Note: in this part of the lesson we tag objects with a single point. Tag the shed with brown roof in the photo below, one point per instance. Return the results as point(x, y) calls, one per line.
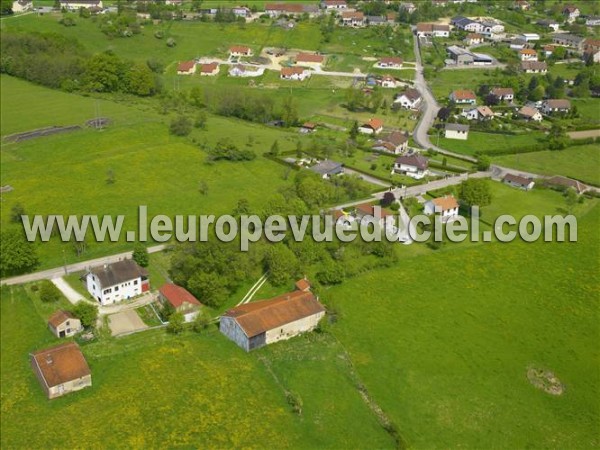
point(64, 324)
point(256, 324)
point(61, 369)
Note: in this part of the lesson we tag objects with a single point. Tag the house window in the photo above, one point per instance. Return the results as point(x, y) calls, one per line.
point(116, 288)
point(68, 323)
point(135, 282)
point(107, 291)
point(68, 330)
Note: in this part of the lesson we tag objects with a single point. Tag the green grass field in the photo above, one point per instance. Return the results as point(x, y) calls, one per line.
point(488, 143)
point(580, 162)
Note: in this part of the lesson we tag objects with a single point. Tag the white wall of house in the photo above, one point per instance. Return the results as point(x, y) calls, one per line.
point(453, 134)
point(69, 327)
point(107, 295)
point(446, 215)
point(293, 328)
point(411, 171)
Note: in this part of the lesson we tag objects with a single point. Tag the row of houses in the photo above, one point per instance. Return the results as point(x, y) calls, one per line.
point(489, 28)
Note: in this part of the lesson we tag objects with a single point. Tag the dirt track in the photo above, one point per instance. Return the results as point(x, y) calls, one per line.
point(584, 134)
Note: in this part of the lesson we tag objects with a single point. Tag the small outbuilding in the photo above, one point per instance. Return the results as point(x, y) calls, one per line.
point(181, 300)
point(64, 324)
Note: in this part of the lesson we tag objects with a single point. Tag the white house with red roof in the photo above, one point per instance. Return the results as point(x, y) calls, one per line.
point(181, 300)
point(373, 126)
point(446, 207)
point(186, 68)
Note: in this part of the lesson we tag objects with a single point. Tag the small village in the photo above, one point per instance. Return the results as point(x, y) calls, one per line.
point(368, 112)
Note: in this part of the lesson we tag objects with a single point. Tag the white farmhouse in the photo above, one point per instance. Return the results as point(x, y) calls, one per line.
point(413, 165)
point(409, 99)
point(113, 283)
point(264, 322)
point(446, 206)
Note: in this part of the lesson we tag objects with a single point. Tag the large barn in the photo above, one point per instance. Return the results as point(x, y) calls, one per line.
point(257, 324)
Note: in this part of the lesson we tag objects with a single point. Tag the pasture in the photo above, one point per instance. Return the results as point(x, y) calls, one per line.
point(488, 143)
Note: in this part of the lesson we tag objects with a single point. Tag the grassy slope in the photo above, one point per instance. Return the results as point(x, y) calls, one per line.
point(488, 142)
point(152, 389)
point(579, 162)
point(445, 343)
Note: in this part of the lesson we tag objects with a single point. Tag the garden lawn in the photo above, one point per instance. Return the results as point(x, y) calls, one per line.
point(488, 143)
point(580, 162)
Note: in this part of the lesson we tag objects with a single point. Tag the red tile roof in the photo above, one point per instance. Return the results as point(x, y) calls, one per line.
point(446, 203)
point(391, 60)
point(303, 284)
point(239, 49)
point(61, 364)
point(289, 71)
point(464, 94)
point(59, 317)
point(309, 57)
point(177, 296)
point(375, 123)
point(209, 68)
point(186, 66)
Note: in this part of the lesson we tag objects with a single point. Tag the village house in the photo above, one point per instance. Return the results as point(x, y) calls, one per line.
point(64, 324)
point(529, 37)
point(186, 68)
point(376, 20)
point(294, 73)
point(240, 70)
point(548, 23)
point(209, 69)
point(78, 4)
point(20, 6)
point(556, 106)
point(181, 300)
point(522, 5)
point(463, 96)
point(466, 24)
point(561, 182)
point(373, 126)
point(493, 30)
point(473, 39)
point(530, 113)
point(503, 94)
point(571, 13)
point(528, 54)
point(432, 30)
point(239, 50)
point(413, 165)
point(387, 81)
point(334, 4)
point(290, 9)
point(343, 219)
point(328, 169)
point(308, 127)
point(456, 131)
point(310, 59)
point(113, 283)
point(61, 369)
point(518, 44)
point(534, 66)
point(395, 142)
point(392, 62)
point(592, 21)
point(353, 19)
point(480, 113)
point(256, 324)
point(409, 7)
point(409, 99)
point(446, 206)
point(371, 213)
point(591, 47)
point(518, 181)
point(569, 40)
point(549, 49)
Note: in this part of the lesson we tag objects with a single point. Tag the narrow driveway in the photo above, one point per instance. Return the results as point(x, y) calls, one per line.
point(72, 295)
point(367, 178)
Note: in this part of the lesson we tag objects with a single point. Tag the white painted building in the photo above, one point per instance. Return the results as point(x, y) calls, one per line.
point(113, 283)
point(446, 207)
point(413, 165)
point(456, 131)
point(20, 6)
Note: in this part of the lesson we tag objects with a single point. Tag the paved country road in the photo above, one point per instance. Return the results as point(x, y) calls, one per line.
point(77, 267)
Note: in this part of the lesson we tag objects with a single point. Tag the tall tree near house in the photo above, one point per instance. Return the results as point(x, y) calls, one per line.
point(86, 312)
point(176, 322)
point(140, 255)
point(290, 111)
point(354, 131)
point(16, 253)
point(274, 148)
point(476, 192)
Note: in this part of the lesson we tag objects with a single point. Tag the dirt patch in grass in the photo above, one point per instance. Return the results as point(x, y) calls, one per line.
point(545, 380)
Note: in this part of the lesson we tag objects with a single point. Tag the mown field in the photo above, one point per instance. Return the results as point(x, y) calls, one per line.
point(580, 162)
point(445, 344)
point(488, 143)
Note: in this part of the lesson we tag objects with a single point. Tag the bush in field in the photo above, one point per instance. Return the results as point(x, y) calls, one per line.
point(49, 293)
point(180, 126)
point(87, 313)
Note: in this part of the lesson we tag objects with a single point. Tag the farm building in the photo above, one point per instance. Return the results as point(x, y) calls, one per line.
point(518, 181)
point(78, 4)
point(64, 324)
point(113, 283)
point(556, 105)
point(254, 325)
point(534, 66)
point(181, 300)
point(433, 29)
point(61, 369)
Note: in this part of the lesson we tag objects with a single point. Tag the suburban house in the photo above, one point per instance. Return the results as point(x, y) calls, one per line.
point(548, 23)
point(240, 50)
point(569, 40)
point(19, 6)
point(530, 113)
point(240, 70)
point(413, 165)
point(480, 113)
point(503, 94)
point(308, 127)
point(328, 169)
point(209, 69)
point(310, 59)
point(333, 4)
point(186, 68)
point(433, 30)
point(446, 206)
point(61, 369)
point(181, 300)
point(390, 62)
point(294, 73)
point(571, 13)
point(456, 131)
point(387, 81)
point(534, 66)
point(373, 126)
point(64, 324)
point(78, 4)
point(556, 105)
point(409, 99)
point(463, 96)
point(528, 54)
point(256, 324)
point(473, 39)
point(116, 282)
point(343, 219)
point(395, 142)
point(353, 19)
point(518, 181)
